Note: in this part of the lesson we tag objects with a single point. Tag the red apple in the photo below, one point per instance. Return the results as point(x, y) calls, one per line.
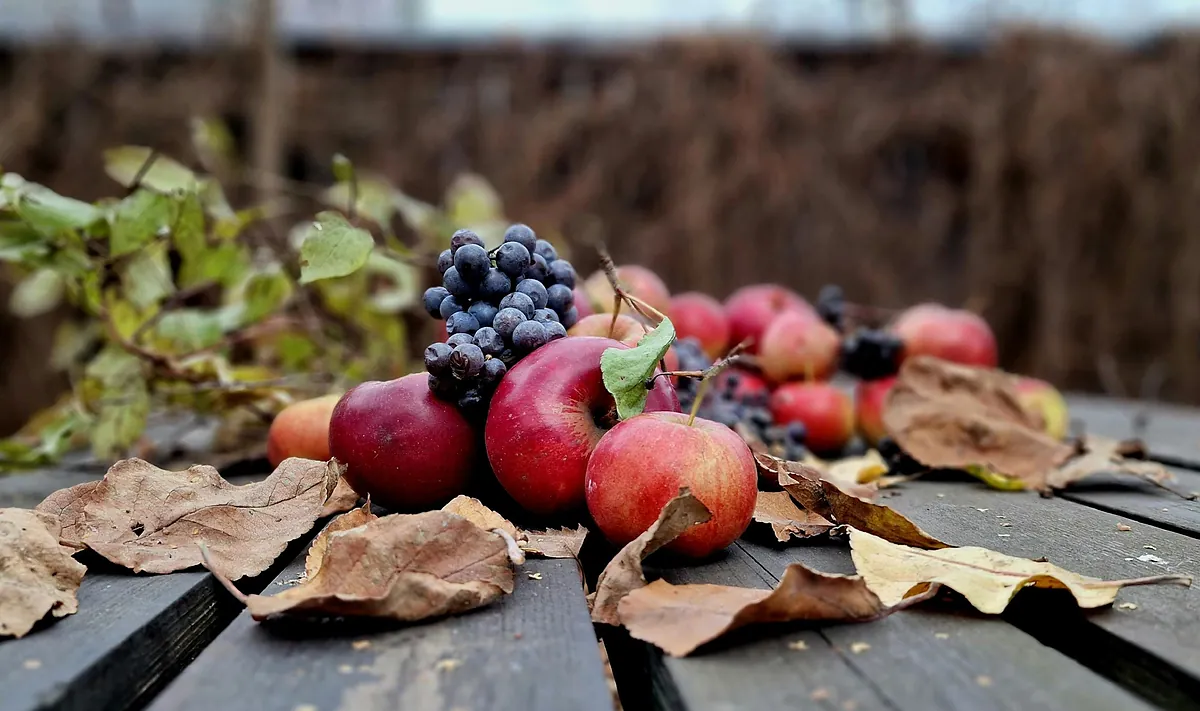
point(641, 464)
point(582, 304)
point(825, 411)
point(1044, 399)
point(750, 385)
point(627, 330)
point(752, 308)
point(702, 317)
point(301, 430)
point(546, 418)
point(869, 397)
point(402, 446)
point(637, 280)
point(950, 334)
point(799, 345)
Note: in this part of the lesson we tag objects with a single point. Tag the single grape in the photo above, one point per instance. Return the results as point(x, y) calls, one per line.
point(483, 312)
point(471, 400)
point(456, 284)
point(449, 307)
point(472, 263)
point(545, 250)
point(561, 272)
point(796, 432)
point(560, 297)
point(520, 302)
point(444, 387)
point(458, 339)
point(570, 317)
point(760, 418)
point(495, 286)
point(493, 370)
point(512, 258)
point(831, 305)
point(537, 269)
point(445, 261)
point(462, 238)
point(506, 322)
point(530, 335)
point(489, 341)
point(555, 330)
point(508, 356)
point(461, 322)
point(544, 316)
point(437, 358)
point(466, 361)
point(535, 290)
point(522, 235)
point(434, 296)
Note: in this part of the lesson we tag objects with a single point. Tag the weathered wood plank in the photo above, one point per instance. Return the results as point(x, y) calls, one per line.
point(534, 650)
point(1143, 503)
point(1171, 432)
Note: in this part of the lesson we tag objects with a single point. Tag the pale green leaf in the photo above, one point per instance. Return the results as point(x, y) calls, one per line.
point(263, 294)
point(343, 169)
point(374, 199)
point(121, 420)
point(333, 248)
point(213, 143)
point(147, 276)
point(405, 283)
point(72, 341)
point(295, 350)
point(625, 371)
point(19, 242)
point(226, 263)
point(50, 213)
point(114, 368)
point(53, 441)
point(37, 294)
point(212, 197)
point(164, 175)
point(188, 330)
point(126, 318)
point(471, 200)
point(419, 216)
point(138, 220)
point(188, 232)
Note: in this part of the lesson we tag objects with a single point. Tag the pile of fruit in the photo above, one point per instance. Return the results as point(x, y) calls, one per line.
point(516, 393)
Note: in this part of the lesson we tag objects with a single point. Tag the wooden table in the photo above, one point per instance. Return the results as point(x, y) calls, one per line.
point(179, 642)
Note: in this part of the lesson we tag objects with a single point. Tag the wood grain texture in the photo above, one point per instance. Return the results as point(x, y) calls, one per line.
point(1142, 503)
point(532, 650)
point(1171, 432)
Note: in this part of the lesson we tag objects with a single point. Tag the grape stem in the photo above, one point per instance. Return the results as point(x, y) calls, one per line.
point(706, 376)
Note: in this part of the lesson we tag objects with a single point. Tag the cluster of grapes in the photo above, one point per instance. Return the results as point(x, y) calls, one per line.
point(498, 306)
point(867, 353)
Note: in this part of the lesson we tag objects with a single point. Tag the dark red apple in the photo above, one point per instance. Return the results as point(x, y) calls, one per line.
point(702, 317)
point(869, 397)
point(950, 334)
point(799, 345)
point(825, 411)
point(583, 304)
point(402, 446)
point(638, 280)
point(752, 308)
point(641, 464)
point(546, 418)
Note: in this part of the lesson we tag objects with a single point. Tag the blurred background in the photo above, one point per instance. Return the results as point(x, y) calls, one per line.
point(1038, 162)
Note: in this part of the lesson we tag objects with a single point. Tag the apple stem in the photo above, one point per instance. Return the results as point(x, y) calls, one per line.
point(700, 393)
point(612, 327)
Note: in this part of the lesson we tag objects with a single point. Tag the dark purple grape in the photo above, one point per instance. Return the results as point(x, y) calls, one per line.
point(489, 341)
point(535, 290)
point(471, 401)
point(483, 312)
point(458, 339)
point(560, 297)
point(493, 370)
point(496, 285)
point(456, 285)
point(445, 261)
point(433, 298)
point(530, 335)
point(545, 250)
point(461, 322)
point(538, 269)
point(544, 316)
point(472, 263)
point(437, 358)
point(466, 361)
point(512, 258)
point(555, 330)
point(444, 387)
point(506, 322)
point(796, 432)
point(462, 238)
point(449, 307)
point(508, 357)
point(561, 272)
point(570, 318)
point(520, 302)
point(522, 235)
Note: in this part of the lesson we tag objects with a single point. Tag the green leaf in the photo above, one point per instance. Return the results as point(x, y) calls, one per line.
point(121, 420)
point(333, 248)
point(114, 368)
point(419, 216)
point(50, 213)
point(213, 143)
point(164, 175)
point(471, 200)
point(374, 199)
point(626, 371)
point(263, 294)
point(994, 479)
point(19, 242)
point(147, 276)
point(188, 330)
point(53, 441)
point(225, 264)
point(39, 293)
point(406, 284)
point(72, 340)
point(188, 234)
point(295, 350)
point(343, 169)
point(138, 220)
point(126, 318)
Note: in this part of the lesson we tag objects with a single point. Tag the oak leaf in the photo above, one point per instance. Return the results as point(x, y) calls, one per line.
point(778, 510)
point(624, 572)
point(404, 567)
point(987, 579)
point(351, 519)
point(951, 416)
point(38, 576)
point(150, 520)
point(828, 500)
point(555, 542)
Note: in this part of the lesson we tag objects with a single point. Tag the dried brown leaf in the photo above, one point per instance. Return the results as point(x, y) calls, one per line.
point(954, 416)
point(987, 579)
point(555, 542)
point(857, 476)
point(624, 572)
point(1108, 456)
point(352, 519)
point(343, 498)
point(828, 500)
point(778, 510)
point(37, 573)
point(680, 618)
point(474, 511)
point(403, 567)
point(151, 520)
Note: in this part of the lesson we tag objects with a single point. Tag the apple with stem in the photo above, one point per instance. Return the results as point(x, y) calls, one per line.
point(634, 279)
point(825, 411)
point(1042, 398)
point(797, 345)
point(953, 335)
point(702, 317)
point(751, 309)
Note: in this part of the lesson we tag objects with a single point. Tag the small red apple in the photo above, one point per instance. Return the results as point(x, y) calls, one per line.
point(546, 418)
point(641, 464)
point(402, 446)
point(798, 345)
point(825, 411)
point(702, 317)
point(950, 334)
point(752, 308)
point(627, 330)
point(750, 385)
point(638, 280)
point(1044, 399)
point(869, 398)
point(583, 306)
point(301, 430)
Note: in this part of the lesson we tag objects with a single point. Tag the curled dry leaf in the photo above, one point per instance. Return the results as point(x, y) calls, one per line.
point(987, 579)
point(828, 500)
point(555, 542)
point(624, 572)
point(343, 498)
point(474, 511)
point(857, 476)
point(778, 510)
point(680, 618)
point(403, 567)
point(952, 416)
point(150, 520)
point(37, 573)
point(1100, 455)
point(352, 519)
